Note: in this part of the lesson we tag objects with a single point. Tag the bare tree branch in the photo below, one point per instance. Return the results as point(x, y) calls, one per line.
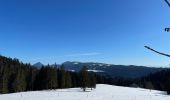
point(167, 55)
point(167, 2)
point(167, 30)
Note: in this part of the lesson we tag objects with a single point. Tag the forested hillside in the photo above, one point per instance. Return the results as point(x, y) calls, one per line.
point(16, 76)
point(158, 81)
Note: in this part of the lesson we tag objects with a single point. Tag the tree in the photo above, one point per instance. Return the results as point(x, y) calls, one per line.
point(20, 81)
point(68, 81)
point(62, 77)
point(149, 85)
point(84, 78)
point(31, 76)
point(40, 82)
point(4, 80)
point(167, 85)
point(92, 81)
point(52, 78)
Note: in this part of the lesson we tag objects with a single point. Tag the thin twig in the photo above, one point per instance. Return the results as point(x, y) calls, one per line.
point(167, 2)
point(157, 51)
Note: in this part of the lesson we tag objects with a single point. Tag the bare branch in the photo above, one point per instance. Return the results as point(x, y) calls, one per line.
point(167, 2)
point(167, 55)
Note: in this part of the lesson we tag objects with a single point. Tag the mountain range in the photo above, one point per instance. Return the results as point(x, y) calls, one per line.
point(130, 71)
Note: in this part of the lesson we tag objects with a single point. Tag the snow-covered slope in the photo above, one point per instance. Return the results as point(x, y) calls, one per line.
point(102, 92)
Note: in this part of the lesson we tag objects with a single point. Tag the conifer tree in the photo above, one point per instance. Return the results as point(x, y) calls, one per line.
point(84, 78)
point(92, 81)
point(4, 81)
point(68, 80)
point(52, 78)
point(40, 82)
point(149, 85)
point(167, 85)
point(31, 76)
point(20, 81)
point(62, 77)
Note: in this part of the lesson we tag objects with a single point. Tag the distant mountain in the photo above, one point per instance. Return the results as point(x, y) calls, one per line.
point(38, 65)
point(130, 71)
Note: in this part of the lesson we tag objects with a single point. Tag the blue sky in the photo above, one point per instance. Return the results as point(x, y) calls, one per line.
point(108, 31)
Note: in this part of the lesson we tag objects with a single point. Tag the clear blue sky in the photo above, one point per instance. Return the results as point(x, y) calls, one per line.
point(108, 31)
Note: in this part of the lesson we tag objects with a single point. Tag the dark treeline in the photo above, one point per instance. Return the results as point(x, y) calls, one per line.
point(16, 77)
point(157, 81)
point(119, 81)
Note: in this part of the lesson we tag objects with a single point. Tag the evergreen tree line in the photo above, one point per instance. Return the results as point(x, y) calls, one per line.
point(154, 81)
point(17, 77)
point(157, 81)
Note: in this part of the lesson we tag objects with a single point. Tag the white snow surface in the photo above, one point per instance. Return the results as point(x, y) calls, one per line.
point(95, 71)
point(72, 70)
point(102, 92)
point(76, 63)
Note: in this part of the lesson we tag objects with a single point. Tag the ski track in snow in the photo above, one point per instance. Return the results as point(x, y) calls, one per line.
point(102, 92)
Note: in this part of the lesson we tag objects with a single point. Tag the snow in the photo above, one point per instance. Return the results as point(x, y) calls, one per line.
point(94, 64)
point(71, 70)
point(109, 65)
point(100, 64)
point(102, 92)
point(95, 71)
point(75, 63)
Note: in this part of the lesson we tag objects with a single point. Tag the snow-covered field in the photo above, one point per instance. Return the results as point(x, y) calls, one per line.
point(102, 92)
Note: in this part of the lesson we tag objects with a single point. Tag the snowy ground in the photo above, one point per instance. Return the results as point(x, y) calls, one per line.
point(102, 92)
